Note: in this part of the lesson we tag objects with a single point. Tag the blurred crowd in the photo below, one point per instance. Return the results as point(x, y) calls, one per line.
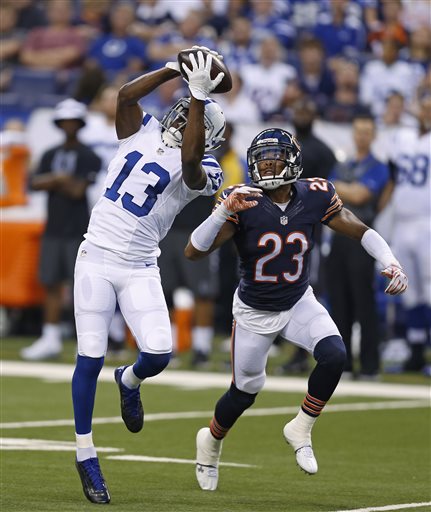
point(292, 61)
point(346, 54)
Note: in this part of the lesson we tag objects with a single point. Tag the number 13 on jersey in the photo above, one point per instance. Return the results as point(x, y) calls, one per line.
point(152, 191)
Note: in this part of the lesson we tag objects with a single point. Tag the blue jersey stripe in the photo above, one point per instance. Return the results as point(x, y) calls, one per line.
point(211, 164)
point(146, 119)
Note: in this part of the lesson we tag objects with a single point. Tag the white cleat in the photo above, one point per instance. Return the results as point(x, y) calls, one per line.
point(301, 443)
point(208, 450)
point(41, 349)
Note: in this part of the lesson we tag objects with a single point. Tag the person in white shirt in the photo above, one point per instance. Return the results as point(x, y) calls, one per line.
point(266, 82)
point(411, 237)
point(159, 168)
point(381, 76)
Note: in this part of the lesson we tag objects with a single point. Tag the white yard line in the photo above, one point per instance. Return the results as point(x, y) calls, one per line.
point(201, 380)
point(403, 506)
point(145, 458)
point(45, 445)
point(269, 411)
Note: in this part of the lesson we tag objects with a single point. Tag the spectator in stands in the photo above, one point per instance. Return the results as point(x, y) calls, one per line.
point(92, 17)
point(390, 26)
point(238, 107)
point(270, 18)
point(65, 172)
point(418, 50)
point(152, 20)
point(340, 34)
point(57, 46)
point(315, 79)
point(350, 270)
point(190, 31)
point(239, 46)
point(395, 114)
point(118, 51)
point(11, 38)
point(30, 14)
point(269, 82)
point(380, 76)
point(303, 14)
point(344, 104)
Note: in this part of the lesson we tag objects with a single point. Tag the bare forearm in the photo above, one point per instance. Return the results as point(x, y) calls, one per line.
point(353, 193)
point(193, 147)
point(133, 91)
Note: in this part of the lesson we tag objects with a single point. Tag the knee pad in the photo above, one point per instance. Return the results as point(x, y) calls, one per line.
point(240, 399)
point(92, 345)
point(149, 365)
point(331, 352)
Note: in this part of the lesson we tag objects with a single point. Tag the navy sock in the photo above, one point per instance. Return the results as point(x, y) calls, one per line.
point(228, 409)
point(149, 365)
point(84, 384)
point(330, 354)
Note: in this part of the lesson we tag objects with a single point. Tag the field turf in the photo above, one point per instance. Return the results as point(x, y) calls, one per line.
point(367, 458)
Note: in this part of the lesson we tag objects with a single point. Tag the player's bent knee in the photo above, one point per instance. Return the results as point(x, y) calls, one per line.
point(159, 340)
point(252, 384)
point(149, 365)
point(331, 352)
point(92, 345)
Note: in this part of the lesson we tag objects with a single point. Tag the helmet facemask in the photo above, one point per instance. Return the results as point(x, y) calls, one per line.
point(174, 123)
point(276, 151)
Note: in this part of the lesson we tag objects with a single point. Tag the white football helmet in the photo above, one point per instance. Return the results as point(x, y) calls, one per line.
point(174, 122)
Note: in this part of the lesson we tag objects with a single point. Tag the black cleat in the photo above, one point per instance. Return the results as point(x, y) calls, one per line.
point(131, 405)
point(93, 483)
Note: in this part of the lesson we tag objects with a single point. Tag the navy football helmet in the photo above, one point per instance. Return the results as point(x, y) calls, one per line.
point(274, 144)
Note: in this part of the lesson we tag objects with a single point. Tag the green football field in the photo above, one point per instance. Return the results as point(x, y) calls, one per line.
point(372, 444)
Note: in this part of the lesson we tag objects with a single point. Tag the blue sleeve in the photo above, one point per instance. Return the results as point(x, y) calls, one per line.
point(375, 178)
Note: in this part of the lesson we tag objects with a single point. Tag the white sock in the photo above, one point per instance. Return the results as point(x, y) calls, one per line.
point(202, 338)
point(129, 379)
point(84, 447)
point(304, 422)
point(51, 332)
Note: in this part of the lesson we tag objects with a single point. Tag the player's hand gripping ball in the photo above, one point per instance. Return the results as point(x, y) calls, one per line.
point(217, 66)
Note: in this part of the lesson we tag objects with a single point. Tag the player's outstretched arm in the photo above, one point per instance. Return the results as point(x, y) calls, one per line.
point(129, 113)
point(346, 223)
point(215, 231)
point(193, 145)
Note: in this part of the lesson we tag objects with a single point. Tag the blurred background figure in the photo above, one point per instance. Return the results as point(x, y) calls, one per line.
point(11, 38)
point(411, 237)
point(350, 270)
point(65, 172)
point(14, 162)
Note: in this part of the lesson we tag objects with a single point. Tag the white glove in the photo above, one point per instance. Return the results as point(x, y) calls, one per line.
point(237, 201)
point(399, 281)
point(199, 79)
point(173, 65)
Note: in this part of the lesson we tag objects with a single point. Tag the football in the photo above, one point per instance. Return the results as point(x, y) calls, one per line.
point(217, 67)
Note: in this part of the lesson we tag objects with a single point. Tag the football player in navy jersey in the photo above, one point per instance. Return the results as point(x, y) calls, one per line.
point(272, 226)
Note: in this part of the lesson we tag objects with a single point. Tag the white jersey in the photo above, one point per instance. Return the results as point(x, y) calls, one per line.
point(412, 157)
point(144, 192)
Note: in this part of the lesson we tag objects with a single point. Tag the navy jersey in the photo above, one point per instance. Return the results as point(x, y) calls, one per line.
point(274, 245)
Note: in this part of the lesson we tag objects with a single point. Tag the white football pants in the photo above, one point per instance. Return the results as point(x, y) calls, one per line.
point(101, 279)
point(304, 325)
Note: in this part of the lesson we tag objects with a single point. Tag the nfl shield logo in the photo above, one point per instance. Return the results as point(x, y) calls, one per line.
point(284, 220)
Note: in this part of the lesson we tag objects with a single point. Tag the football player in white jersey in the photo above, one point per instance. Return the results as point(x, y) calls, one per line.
point(411, 238)
point(158, 169)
